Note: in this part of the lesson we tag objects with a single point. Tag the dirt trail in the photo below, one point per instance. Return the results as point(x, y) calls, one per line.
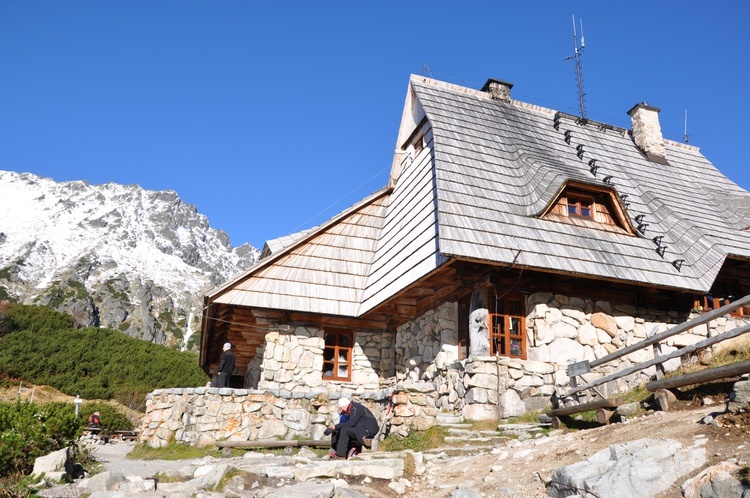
point(524, 467)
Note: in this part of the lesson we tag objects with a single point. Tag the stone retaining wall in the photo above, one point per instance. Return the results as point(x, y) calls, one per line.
point(204, 415)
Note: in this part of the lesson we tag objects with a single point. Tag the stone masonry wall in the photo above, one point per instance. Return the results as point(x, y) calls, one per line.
point(560, 330)
point(204, 415)
point(293, 361)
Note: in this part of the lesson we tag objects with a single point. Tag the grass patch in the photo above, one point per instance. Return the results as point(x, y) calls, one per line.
point(531, 417)
point(162, 477)
point(172, 451)
point(434, 437)
point(228, 475)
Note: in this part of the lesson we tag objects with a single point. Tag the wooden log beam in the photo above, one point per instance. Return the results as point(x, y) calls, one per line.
point(272, 443)
point(675, 354)
point(707, 375)
point(592, 405)
point(705, 318)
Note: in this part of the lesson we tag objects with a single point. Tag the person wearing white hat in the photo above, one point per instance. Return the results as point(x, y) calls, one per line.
point(226, 365)
point(356, 423)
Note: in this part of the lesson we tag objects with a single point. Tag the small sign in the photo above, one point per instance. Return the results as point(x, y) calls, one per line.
point(579, 368)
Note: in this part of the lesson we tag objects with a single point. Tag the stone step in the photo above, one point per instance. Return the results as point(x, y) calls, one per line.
point(449, 419)
point(475, 438)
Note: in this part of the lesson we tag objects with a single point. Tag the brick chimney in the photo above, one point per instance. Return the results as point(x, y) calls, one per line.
point(498, 89)
point(647, 131)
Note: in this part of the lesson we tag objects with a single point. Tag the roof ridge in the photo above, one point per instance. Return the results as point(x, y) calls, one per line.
point(539, 108)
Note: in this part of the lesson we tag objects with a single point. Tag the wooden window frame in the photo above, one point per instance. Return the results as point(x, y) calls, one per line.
point(333, 361)
point(579, 203)
point(504, 341)
point(705, 304)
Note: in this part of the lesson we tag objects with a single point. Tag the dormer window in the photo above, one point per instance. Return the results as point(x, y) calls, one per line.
point(579, 205)
point(588, 206)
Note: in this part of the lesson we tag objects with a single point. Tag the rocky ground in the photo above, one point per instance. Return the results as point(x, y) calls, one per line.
point(497, 467)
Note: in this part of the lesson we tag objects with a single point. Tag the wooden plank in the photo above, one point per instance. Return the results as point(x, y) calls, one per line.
point(707, 375)
point(585, 407)
point(270, 443)
point(675, 354)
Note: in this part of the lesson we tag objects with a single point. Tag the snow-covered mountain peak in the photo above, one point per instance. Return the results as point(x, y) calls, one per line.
point(115, 255)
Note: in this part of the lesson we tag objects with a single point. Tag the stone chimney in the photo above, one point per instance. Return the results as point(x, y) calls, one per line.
point(647, 131)
point(498, 89)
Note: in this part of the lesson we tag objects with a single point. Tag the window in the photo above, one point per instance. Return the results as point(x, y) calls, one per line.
point(713, 301)
point(508, 326)
point(337, 355)
point(580, 206)
point(588, 206)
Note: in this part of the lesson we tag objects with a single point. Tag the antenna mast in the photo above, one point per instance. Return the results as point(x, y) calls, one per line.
point(577, 51)
point(687, 139)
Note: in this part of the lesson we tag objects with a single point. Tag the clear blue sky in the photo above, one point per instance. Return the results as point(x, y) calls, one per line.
point(272, 117)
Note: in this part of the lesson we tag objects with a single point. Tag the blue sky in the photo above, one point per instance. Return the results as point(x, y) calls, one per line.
point(271, 117)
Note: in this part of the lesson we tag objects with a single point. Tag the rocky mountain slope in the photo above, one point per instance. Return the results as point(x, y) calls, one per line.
point(112, 255)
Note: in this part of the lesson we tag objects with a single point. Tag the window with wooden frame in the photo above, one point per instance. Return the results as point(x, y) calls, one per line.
point(588, 206)
point(337, 354)
point(713, 301)
point(508, 326)
point(580, 205)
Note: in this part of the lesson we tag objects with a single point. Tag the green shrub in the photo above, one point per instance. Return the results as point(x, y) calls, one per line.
point(41, 347)
point(28, 431)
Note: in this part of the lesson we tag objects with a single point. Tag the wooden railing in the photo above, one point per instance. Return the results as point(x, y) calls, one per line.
point(583, 367)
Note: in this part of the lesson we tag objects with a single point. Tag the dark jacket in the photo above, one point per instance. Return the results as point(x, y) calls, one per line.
point(226, 363)
point(361, 419)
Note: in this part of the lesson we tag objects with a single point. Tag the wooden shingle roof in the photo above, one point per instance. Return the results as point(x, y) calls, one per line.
point(488, 171)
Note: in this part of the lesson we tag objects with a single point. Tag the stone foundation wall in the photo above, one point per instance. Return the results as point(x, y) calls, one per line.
point(560, 330)
point(204, 415)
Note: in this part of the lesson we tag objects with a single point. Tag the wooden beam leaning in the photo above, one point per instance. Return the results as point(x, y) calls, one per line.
point(705, 318)
point(707, 375)
point(273, 443)
point(661, 359)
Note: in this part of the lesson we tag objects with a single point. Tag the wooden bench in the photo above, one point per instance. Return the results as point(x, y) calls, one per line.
point(605, 408)
point(127, 435)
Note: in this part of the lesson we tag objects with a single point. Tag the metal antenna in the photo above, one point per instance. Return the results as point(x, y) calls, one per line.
point(687, 139)
point(426, 70)
point(577, 50)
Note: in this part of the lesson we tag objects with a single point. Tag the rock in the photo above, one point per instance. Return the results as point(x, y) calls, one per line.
point(465, 493)
point(106, 481)
point(399, 486)
point(54, 466)
point(511, 404)
point(739, 400)
point(627, 409)
point(717, 481)
point(642, 468)
point(306, 489)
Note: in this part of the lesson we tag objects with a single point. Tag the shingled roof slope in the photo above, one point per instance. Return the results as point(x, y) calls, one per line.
point(488, 171)
point(499, 164)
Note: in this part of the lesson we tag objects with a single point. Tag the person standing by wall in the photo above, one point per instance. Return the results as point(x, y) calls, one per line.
point(226, 365)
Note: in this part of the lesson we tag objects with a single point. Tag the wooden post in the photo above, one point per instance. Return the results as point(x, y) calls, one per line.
point(603, 415)
point(663, 398)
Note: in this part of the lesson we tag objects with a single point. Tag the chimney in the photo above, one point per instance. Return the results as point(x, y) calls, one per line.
point(498, 89)
point(647, 131)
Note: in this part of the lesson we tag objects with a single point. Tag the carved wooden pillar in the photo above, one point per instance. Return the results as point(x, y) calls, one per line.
point(479, 336)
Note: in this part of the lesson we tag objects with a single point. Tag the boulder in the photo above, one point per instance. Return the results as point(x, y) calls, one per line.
point(739, 400)
point(643, 468)
point(106, 481)
point(54, 466)
point(717, 481)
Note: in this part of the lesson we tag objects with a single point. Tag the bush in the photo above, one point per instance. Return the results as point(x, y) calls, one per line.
point(42, 348)
point(28, 431)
